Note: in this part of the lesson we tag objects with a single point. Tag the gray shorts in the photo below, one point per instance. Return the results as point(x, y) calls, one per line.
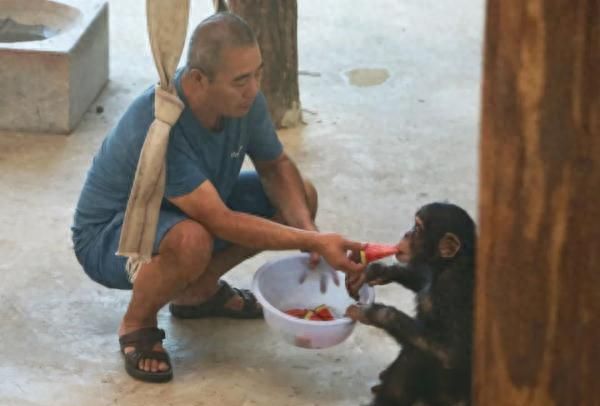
point(100, 263)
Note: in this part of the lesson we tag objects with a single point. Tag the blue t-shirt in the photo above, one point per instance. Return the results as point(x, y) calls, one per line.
point(194, 154)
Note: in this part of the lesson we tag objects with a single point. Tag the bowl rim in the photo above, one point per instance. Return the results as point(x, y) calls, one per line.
point(261, 299)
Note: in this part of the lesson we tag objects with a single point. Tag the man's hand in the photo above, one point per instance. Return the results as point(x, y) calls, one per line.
point(334, 248)
point(315, 257)
point(313, 262)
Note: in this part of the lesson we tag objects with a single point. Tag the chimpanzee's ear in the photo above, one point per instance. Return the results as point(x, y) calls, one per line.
point(449, 245)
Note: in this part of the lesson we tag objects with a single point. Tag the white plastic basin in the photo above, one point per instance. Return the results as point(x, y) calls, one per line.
point(277, 287)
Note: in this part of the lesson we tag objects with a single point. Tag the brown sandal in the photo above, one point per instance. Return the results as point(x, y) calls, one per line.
point(215, 306)
point(143, 340)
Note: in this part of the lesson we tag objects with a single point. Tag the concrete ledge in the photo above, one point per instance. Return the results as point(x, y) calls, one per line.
point(47, 85)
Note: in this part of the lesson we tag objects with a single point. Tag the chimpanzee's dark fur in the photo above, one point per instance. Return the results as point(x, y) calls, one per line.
point(434, 365)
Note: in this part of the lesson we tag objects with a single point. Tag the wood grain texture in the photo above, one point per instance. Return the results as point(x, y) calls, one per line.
point(275, 25)
point(537, 334)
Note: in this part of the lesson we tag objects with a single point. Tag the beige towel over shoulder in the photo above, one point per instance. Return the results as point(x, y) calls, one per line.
point(167, 27)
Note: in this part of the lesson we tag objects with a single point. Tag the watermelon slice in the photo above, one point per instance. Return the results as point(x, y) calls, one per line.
point(311, 315)
point(300, 313)
point(373, 252)
point(324, 313)
point(319, 313)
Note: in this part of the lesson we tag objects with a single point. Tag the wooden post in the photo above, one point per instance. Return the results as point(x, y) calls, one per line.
point(537, 334)
point(275, 25)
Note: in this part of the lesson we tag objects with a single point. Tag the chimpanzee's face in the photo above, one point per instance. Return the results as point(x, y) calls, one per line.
point(435, 234)
point(413, 242)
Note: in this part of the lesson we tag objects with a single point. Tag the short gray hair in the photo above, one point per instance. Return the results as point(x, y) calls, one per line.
point(214, 34)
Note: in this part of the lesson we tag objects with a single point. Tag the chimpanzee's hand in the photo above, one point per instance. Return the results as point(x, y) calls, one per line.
point(375, 274)
point(354, 281)
point(378, 274)
point(358, 312)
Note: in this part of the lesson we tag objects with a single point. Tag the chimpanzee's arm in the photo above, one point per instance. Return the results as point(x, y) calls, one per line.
point(411, 278)
point(403, 328)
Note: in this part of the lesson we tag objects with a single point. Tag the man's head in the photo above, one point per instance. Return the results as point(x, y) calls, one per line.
point(224, 64)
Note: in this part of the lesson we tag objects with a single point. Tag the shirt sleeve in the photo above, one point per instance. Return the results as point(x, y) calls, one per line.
point(184, 173)
point(263, 145)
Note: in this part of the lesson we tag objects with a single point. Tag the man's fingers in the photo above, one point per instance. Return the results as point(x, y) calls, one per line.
point(314, 260)
point(354, 246)
point(323, 282)
point(303, 276)
point(335, 277)
point(354, 256)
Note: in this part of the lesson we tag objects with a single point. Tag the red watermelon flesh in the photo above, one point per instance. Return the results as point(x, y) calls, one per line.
point(324, 313)
point(319, 313)
point(373, 252)
point(300, 313)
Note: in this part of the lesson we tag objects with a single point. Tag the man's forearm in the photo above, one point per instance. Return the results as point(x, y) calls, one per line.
point(205, 206)
point(256, 232)
point(285, 188)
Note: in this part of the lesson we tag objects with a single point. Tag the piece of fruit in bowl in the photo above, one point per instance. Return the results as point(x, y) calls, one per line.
point(319, 313)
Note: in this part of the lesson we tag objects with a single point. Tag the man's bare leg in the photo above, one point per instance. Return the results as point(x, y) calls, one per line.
point(222, 262)
point(185, 272)
point(206, 286)
point(184, 254)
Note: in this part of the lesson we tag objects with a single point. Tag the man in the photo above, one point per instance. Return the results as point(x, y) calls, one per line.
point(212, 217)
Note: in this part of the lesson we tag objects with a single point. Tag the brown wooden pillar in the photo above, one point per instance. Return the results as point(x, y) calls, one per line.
point(537, 334)
point(275, 24)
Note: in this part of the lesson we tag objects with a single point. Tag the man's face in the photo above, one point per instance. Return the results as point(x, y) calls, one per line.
point(237, 81)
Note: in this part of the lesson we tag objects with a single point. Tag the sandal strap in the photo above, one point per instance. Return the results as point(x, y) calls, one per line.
point(136, 355)
point(224, 293)
point(215, 306)
point(143, 339)
point(247, 297)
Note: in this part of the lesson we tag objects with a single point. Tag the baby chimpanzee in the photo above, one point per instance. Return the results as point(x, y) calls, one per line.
point(434, 365)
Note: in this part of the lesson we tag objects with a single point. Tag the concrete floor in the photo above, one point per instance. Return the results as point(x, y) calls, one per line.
point(375, 153)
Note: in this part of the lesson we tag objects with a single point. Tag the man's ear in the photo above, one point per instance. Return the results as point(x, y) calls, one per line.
point(449, 245)
point(200, 78)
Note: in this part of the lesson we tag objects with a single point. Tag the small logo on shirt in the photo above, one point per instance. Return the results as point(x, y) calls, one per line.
point(237, 154)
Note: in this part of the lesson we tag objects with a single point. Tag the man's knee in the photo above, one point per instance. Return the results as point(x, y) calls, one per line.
point(189, 245)
point(312, 197)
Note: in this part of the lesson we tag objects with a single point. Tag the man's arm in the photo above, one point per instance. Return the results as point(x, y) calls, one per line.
point(205, 206)
point(284, 187)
